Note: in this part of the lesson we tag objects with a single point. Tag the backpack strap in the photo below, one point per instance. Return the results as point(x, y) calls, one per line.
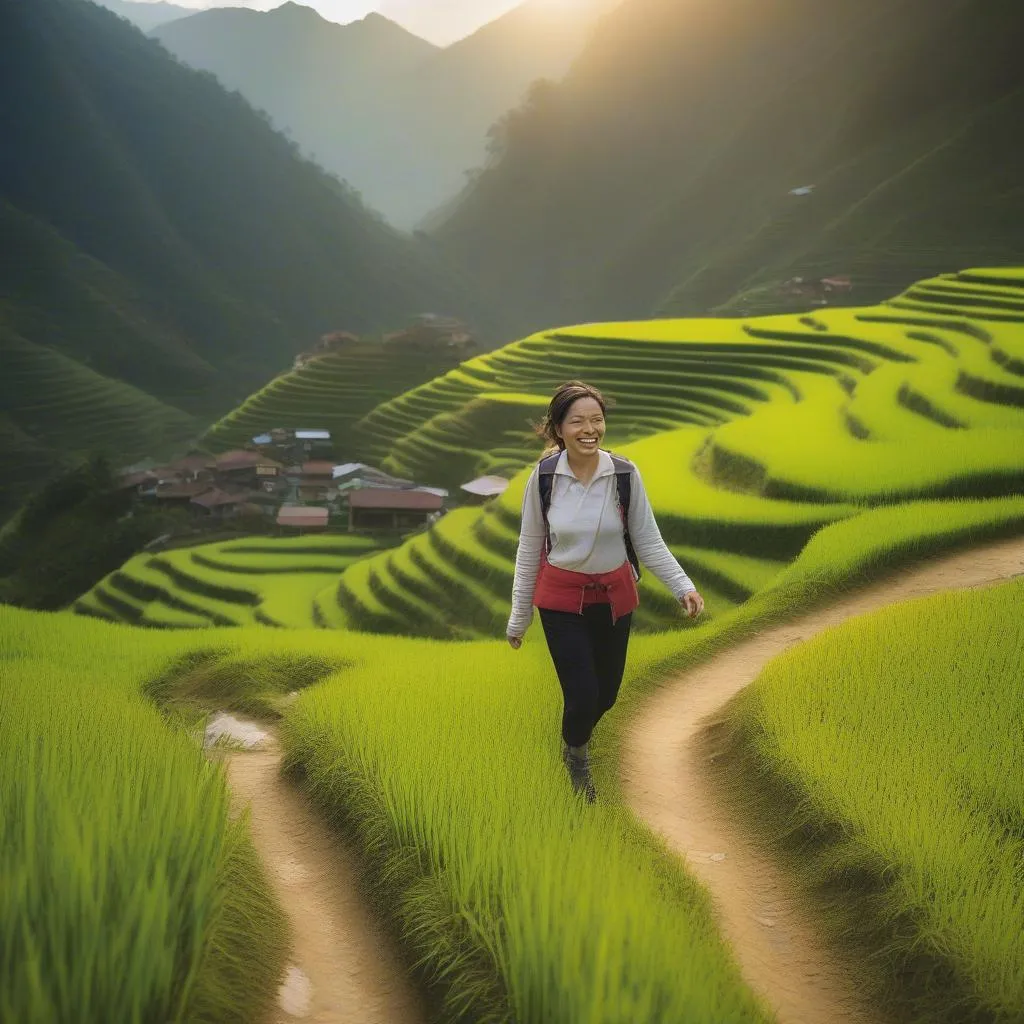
point(623, 486)
point(545, 481)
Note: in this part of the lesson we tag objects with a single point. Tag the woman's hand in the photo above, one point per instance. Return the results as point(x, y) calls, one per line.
point(515, 642)
point(693, 603)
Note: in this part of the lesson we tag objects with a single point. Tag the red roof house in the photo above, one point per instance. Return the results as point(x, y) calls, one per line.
point(384, 508)
point(305, 517)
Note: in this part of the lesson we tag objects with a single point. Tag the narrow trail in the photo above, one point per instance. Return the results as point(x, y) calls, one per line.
point(666, 782)
point(343, 969)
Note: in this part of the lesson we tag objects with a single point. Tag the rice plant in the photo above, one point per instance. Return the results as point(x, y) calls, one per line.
point(895, 742)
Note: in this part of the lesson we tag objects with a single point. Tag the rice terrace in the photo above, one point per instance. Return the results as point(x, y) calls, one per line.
point(281, 735)
point(792, 460)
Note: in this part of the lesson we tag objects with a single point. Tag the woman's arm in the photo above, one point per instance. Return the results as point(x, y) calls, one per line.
point(531, 542)
point(647, 540)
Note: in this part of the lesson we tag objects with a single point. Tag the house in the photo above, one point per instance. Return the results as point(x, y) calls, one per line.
point(314, 442)
point(222, 504)
point(246, 468)
point(336, 341)
point(817, 290)
point(315, 480)
point(840, 283)
point(487, 486)
point(192, 467)
point(428, 330)
point(178, 491)
point(354, 475)
point(378, 508)
point(143, 480)
point(303, 517)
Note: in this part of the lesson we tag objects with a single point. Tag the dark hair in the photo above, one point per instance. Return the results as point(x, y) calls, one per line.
point(558, 408)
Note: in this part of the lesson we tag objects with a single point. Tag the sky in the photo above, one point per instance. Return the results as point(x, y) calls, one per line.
point(440, 21)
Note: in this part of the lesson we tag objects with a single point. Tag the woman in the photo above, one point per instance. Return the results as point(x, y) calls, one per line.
point(573, 564)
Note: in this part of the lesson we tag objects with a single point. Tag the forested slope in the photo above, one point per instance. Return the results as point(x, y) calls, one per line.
point(165, 249)
point(658, 176)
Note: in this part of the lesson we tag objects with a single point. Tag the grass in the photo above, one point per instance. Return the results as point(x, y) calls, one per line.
point(513, 901)
point(129, 894)
point(920, 855)
point(441, 761)
point(491, 875)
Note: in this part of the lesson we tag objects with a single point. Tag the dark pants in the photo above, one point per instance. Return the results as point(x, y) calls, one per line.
point(589, 655)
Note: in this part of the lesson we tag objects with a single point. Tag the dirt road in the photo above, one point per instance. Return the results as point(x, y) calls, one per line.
point(665, 781)
point(343, 969)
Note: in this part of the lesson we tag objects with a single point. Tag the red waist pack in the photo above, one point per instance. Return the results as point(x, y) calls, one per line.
point(560, 590)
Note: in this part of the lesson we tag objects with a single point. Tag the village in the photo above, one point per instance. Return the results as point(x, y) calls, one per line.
point(287, 481)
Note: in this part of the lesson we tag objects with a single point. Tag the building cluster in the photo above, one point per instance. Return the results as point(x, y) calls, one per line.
point(818, 291)
point(289, 478)
point(428, 331)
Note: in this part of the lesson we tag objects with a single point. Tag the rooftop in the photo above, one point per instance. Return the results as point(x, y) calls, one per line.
point(302, 515)
point(182, 490)
point(394, 500)
point(487, 486)
point(318, 467)
point(244, 460)
point(216, 498)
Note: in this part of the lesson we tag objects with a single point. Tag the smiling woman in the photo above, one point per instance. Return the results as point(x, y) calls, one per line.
point(586, 526)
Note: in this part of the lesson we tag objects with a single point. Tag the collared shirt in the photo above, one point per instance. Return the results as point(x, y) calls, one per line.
point(586, 534)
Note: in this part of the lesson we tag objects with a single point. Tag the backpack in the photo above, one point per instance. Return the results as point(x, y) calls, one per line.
point(623, 484)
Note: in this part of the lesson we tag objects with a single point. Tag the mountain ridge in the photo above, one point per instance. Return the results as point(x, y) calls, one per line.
point(401, 124)
point(668, 189)
point(162, 237)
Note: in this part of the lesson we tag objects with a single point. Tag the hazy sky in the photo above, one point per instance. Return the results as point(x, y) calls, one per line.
point(440, 21)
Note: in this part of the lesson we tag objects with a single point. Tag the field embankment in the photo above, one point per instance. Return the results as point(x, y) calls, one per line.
point(832, 725)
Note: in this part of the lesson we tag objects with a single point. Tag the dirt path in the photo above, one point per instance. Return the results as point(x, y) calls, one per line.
point(343, 970)
point(665, 782)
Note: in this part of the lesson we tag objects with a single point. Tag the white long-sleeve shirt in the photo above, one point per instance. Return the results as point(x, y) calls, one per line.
point(586, 534)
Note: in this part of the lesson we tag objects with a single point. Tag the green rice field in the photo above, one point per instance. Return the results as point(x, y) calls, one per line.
point(252, 581)
point(787, 459)
point(912, 812)
point(751, 435)
point(151, 905)
point(507, 911)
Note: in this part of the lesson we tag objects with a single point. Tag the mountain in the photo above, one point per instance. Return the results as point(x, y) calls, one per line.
point(444, 22)
point(396, 117)
point(165, 250)
point(146, 15)
point(697, 155)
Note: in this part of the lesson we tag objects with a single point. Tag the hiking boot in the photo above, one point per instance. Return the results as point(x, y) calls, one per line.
point(579, 774)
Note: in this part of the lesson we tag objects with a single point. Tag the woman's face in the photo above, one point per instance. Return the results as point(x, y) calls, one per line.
point(583, 427)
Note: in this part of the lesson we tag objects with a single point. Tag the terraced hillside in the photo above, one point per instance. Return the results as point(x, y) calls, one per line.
point(330, 392)
point(57, 409)
point(750, 435)
point(255, 580)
